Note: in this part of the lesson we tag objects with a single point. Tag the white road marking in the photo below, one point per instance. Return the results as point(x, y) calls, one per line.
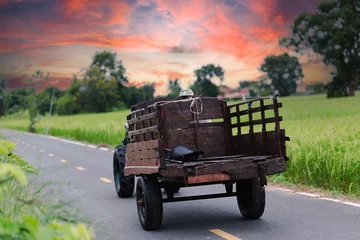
point(63, 160)
point(308, 194)
point(80, 168)
point(51, 155)
point(91, 146)
point(73, 142)
point(40, 150)
point(104, 149)
point(284, 189)
point(105, 180)
point(352, 204)
point(34, 147)
point(331, 199)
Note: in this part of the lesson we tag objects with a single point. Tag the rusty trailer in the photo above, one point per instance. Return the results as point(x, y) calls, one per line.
point(237, 144)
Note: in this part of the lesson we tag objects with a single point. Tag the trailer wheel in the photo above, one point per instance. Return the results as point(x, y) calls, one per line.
point(250, 198)
point(124, 185)
point(149, 202)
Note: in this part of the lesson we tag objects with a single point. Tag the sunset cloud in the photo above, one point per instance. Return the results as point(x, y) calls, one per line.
point(156, 39)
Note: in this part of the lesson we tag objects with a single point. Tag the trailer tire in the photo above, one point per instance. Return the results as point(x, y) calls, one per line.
point(124, 185)
point(250, 198)
point(149, 202)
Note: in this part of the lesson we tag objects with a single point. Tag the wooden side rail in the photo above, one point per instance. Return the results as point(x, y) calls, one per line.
point(253, 110)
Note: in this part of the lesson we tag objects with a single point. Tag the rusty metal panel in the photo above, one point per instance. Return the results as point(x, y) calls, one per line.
point(208, 178)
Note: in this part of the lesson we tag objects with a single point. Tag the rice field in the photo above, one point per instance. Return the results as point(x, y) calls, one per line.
point(324, 149)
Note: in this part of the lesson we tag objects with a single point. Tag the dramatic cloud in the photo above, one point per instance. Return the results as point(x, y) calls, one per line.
point(156, 39)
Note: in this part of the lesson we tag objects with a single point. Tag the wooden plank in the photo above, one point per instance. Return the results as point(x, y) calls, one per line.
point(236, 169)
point(131, 170)
point(184, 137)
point(257, 122)
point(208, 178)
point(144, 153)
point(249, 101)
point(190, 124)
point(144, 130)
point(277, 126)
point(147, 103)
point(254, 110)
point(263, 146)
point(238, 120)
point(142, 118)
point(181, 110)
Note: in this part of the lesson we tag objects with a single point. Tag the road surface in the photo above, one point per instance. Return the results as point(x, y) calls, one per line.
point(86, 174)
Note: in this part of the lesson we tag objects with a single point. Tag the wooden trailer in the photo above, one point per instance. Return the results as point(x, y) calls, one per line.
point(242, 144)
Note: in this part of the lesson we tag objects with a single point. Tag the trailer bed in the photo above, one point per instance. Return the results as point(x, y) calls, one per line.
point(223, 168)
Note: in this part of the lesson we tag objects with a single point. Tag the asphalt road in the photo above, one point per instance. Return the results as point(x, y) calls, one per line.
point(86, 176)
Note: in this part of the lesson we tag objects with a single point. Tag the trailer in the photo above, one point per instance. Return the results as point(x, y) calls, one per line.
point(174, 144)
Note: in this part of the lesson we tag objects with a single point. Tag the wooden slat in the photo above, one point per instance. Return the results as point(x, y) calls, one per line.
point(131, 170)
point(144, 130)
point(177, 125)
point(277, 126)
point(257, 122)
point(142, 118)
point(263, 115)
point(227, 129)
point(254, 110)
point(144, 153)
point(244, 169)
point(248, 101)
point(238, 120)
point(263, 146)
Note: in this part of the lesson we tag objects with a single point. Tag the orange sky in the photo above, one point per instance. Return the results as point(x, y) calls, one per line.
point(155, 39)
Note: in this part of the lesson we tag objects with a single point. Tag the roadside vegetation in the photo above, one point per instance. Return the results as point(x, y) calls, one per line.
point(23, 213)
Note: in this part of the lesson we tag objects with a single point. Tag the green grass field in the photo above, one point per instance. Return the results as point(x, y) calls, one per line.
point(324, 149)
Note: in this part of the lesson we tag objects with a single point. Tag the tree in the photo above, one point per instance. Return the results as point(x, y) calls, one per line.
point(70, 102)
point(316, 88)
point(205, 88)
point(244, 84)
point(333, 33)
point(96, 93)
point(45, 99)
point(174, 88)
point(32, 101)
point(209, 71)
point(203, 85)
point(3, 85)
point(284, 71)
point(108, 65)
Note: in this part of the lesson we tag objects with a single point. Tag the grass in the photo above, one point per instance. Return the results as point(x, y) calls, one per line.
point(324, 149)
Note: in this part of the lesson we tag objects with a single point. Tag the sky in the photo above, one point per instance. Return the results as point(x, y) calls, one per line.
point(156, 40)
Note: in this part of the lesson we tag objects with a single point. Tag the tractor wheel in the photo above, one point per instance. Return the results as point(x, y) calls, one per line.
point(124, 185)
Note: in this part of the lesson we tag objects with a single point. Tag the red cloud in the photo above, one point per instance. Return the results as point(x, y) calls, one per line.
point(169, 74)
point(20, 81)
